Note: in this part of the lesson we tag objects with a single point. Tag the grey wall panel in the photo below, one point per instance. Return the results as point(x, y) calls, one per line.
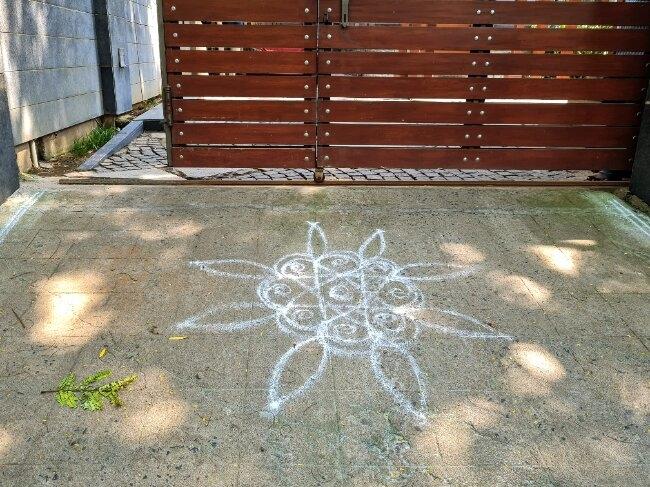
point(21, 52)
point(137, 95)
point(144, 91)
point(145, 75)
point(81, 5)
point(46, 118)
point(147, 53)
point(151, 88)
point(150, 71)
point(32, 87)
point(37, 18)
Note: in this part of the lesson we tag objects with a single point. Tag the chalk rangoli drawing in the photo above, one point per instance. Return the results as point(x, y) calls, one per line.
point(343, 303)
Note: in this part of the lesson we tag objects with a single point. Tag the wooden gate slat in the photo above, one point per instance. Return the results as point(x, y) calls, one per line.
point(482, 64)
point(552, 159)
point(250, 62)
point(481, 135)
point(497, 12)
point(241, 10)
point(243, 86)
point(483, 38)
point(481, 88)
point(260, 36)
point(244, 133)
point(486, 113)
point(239, 158)
point(245, 110)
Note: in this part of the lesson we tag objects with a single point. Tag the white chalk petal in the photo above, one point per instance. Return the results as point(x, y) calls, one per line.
point(434, 271)
point(289, 366)
point(374, 247)
point(410, 395)
point(449, 322)
point(316, 240)
point(233, 317)
point(239, 269)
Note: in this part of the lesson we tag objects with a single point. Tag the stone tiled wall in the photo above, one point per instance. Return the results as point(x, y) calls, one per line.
point(143, 50)
point(52, 66)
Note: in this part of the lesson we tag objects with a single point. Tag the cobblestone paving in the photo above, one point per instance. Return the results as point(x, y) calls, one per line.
point(148, 151)
point(386, 174)
point(145, 152)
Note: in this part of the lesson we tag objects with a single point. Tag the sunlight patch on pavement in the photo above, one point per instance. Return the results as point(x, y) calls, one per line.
point(538, 361)
point(561, 259)
point(463, 253)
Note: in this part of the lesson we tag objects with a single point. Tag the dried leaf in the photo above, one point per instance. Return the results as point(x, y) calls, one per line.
point(103, 352)
point(176, 338)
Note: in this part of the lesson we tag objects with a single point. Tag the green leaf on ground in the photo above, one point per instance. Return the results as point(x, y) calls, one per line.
point(92, 401)
point(67, 399)
point(98, 377)
point(91, 397)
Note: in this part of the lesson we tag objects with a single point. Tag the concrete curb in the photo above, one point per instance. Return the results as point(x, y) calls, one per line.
point(107, 180)
point(153, 119)
point(125, 136)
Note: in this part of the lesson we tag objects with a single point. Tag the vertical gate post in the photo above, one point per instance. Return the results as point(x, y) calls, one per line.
point(166, 91)
point(640, 184)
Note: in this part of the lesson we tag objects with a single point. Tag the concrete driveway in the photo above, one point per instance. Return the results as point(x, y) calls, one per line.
point(326, 336)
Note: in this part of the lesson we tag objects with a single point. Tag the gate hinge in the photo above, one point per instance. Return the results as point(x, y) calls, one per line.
point(345, 13)
point(167, 95)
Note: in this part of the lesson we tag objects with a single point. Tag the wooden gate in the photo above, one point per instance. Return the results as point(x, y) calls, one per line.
point(406, 83)
point(242, 82)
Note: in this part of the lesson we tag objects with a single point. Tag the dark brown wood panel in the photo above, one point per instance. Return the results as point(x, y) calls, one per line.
point(245, 110)
point(258, 36)
point(552, 159)
point(482, 64)
point(243, 86)
point(481, 88)
point(243, 133)
point(250, 62)
point(236, 158)
point(476, 135)
point(483, 38)
point(498, 12)
point(241, 10)
point(484, 113)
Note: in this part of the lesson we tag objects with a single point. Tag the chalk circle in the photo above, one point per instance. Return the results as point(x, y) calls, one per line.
point(349, 334)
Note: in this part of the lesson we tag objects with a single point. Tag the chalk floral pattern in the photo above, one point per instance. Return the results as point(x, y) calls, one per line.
point(345, 303)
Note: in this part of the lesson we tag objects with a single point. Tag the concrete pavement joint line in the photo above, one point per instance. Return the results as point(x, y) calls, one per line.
point(351, 208)
point(16, 217)
point(343, 303)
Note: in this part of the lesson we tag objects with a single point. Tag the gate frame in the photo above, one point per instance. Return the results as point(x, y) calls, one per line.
point(165, 88)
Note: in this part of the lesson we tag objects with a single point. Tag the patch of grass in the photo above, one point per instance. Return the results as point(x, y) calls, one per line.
point(93, 141)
